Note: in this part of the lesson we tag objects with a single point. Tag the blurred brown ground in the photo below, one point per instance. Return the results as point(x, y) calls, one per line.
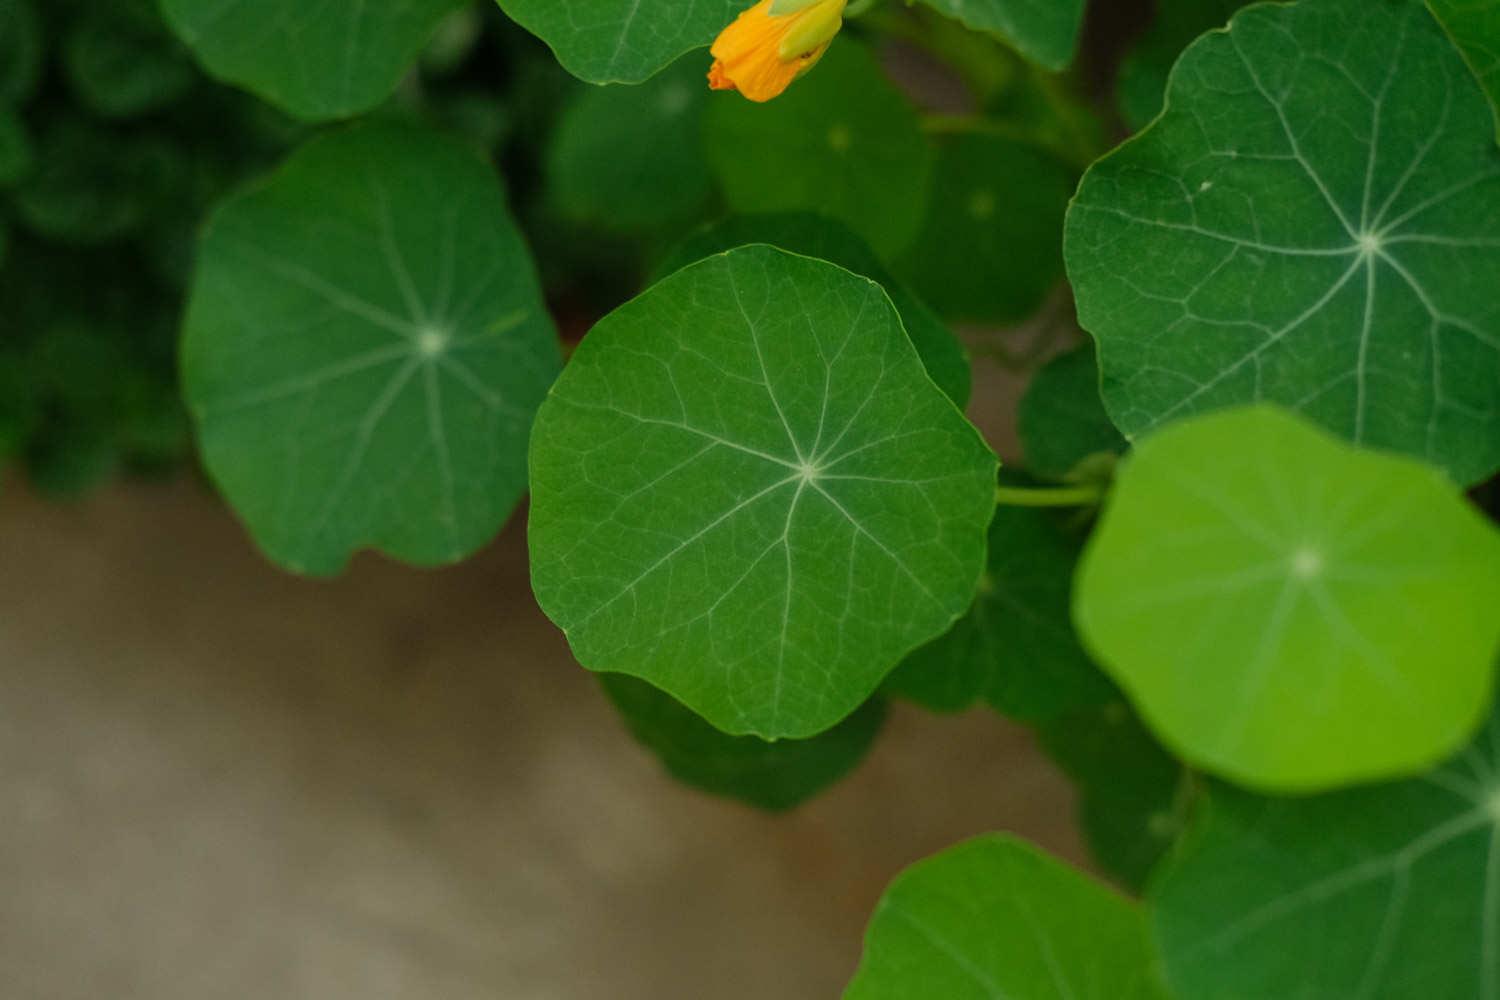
point(217, 780)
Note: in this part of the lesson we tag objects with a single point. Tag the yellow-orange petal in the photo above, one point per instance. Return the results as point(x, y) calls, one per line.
point(748, 55)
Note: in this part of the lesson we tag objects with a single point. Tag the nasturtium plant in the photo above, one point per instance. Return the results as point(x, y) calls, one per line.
point(856, 140)
point(365, 349)
point(747, 491)
point(1475, 27)
point(815, 236)
point(1309, 222)
point(332, 62)
point(1299, 628)
point(995, 917)
point(1388, 892)
point(769, 775)
point(1239, 580)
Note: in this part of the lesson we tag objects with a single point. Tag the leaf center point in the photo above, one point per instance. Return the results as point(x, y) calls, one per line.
point(1369, 244)
point(431, 341)
point(809, 473)
point(1307, 562)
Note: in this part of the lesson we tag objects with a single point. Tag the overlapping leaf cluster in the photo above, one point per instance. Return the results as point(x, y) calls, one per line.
point(1233, 581)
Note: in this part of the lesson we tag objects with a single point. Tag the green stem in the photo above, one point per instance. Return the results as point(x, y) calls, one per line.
point(1048, 496)
point(858, 8)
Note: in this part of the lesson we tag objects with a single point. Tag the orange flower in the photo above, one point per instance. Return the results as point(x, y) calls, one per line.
point(773, 43)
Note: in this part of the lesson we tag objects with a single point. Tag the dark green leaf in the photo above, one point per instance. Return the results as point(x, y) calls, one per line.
point(843, 142)
point(316, 62)
point(1309, 222)
point(1045, 31)
point(364, 351)
point(20, 50)
point(1143, 75)
point(767, 775)
point(1474, 26)
point(623, 41)
point(1062, 419)
point(1383, 893)
point(630, 159)
point(747, 491)
point(1015, 648)
point(1131, 793)
point(814, 236)
point(990, 249)
point(121, 61)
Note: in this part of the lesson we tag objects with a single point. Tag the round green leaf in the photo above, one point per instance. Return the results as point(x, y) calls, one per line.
point(1309, 222)
point(990, 249)
point(622, 41)
point(20, 50)
point(1044, 31)
point(814, 236)
point(1142, 82)
point(995, 918)
point(842, 142)
point(772, 776)
point(1062, 420)
point(121, 61)
point(327, 61)
point(747, 491)
point(1474, 26)
point(630, 159)
point(1289, 611)
point(1383, 893)
point(364, 351)
point(1016, 647)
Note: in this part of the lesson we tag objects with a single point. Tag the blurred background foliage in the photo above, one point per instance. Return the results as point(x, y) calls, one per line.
point(114, 145)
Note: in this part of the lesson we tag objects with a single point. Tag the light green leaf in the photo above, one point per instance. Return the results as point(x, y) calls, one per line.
point(996, 918)
point(630, 159)
point(1310, 222)
point(1288, 611)
point(1474, 26)
point(747, 491)
point(364, 350)
point(1015, 648)
point(990, 249)
point(20, 50)
point(1383, 893)
point(1142, 82)
point(322, 62)
point(1062, 420)
point(773, 776)
point(121, 61)
point(623, 41)
point(814, 236)
point(1132, 794)
point(842, 142)
point(1044, 31)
